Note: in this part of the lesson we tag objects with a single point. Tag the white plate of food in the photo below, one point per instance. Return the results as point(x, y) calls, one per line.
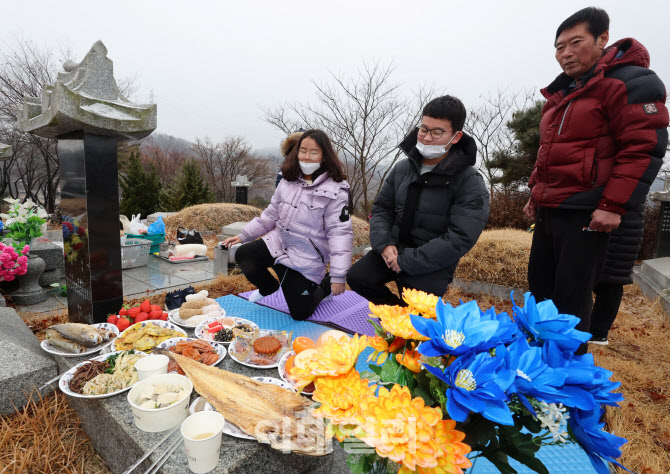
point(89, 380)
point(200, 404)
point(193, 321)
point(263, 351)
point(191, 345)
point(73, 339)
point(284, 374)
point(209, 330)
point(146, 335)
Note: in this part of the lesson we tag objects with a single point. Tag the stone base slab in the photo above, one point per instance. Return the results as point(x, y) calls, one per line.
point(23, 364)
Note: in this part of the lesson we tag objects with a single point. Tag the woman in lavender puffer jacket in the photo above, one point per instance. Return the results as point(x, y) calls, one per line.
point(306, 226)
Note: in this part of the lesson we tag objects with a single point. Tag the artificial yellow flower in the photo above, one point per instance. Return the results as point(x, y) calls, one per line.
point(401, 428)
point(333, 358)
point(410, 359)
point(397, 343)
point(381, 349)
point(420, 302)
point(454, 460)
point(396, 320)
point(340, 396)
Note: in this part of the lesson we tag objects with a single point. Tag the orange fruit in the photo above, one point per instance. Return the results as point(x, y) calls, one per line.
point(289, 364)
point(332, 333)
point(301, 343)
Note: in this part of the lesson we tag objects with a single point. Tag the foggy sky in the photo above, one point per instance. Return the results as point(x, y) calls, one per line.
point(213, 66)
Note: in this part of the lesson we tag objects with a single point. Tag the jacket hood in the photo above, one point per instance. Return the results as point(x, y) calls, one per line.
point(634, 54)
point(460, 156)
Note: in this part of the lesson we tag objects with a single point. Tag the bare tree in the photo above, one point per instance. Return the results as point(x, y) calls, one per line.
point(32, 172)
point(365, 116)
point(167, 159)
point(221, 163)
point(487, 124)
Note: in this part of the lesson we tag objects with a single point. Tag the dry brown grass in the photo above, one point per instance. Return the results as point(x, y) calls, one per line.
point(361, 231)
point(500, 257)
point(46, 438)
point(638, 356)
point(211, 217)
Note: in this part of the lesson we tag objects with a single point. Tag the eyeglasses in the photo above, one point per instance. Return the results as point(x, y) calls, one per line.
point(312, 154)
point(434, 132)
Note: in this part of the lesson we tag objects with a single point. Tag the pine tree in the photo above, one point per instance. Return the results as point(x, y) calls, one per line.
point(517, 166)
point(189, 190)
point(140, 189)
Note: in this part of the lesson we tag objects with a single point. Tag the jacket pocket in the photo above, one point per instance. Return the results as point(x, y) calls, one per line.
point(589, 171)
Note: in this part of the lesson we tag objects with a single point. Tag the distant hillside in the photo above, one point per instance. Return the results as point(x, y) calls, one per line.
point(167, 142)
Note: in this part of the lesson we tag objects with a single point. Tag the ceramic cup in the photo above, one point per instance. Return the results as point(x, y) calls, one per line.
point(152, 365)
point(202, 439)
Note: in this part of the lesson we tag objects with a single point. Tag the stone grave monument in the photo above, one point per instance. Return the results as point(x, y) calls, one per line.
point(662, 247)
point(241, 185)
point(87, 114)
point(5, 152)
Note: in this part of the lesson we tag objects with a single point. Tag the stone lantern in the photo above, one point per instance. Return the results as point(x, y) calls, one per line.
point(87, 114)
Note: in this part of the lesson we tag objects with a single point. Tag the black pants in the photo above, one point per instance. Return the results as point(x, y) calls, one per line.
point(605, 309)
point(369, 275)
point(302, 295)
point(566, 261)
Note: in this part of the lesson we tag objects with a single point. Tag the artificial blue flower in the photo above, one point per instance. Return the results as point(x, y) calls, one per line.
point(586, 384)
point(462, 330)
point(599, 445)
point(477, 383)
point(534, 378)
point(541, 322)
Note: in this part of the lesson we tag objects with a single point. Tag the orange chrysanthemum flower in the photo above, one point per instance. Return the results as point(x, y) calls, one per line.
point(396, 320)
point(333, 358)
point(420, 302)
point(381, 349)
point(411, 360)
point(340, 396)
point(453, 461)
point(403, 429)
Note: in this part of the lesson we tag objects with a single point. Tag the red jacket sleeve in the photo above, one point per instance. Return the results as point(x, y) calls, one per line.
point(638, 121)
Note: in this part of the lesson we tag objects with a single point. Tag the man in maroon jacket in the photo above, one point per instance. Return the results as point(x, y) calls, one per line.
point(603, 137)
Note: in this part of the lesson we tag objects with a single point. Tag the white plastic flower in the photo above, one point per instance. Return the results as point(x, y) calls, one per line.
point(554, 418)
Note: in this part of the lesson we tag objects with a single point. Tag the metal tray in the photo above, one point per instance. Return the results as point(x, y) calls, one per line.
point(203, 258)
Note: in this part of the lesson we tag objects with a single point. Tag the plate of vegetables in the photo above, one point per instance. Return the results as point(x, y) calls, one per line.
point(103, 376)
point(223, 330)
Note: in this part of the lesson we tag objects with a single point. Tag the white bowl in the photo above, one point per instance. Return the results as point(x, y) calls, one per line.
point(160, 419)
point(152, 365)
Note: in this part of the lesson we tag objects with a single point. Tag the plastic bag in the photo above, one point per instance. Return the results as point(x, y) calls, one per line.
point(157, 227)
point(136, 227)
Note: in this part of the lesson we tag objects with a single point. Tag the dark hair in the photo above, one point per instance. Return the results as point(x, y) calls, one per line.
point(447, 107)
point(331, 163)
point(597, 21)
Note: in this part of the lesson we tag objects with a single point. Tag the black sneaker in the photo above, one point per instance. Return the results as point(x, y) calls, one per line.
point(601, 341)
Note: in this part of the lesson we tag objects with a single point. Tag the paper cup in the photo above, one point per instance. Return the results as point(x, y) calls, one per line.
point(152, 365)
point(202, 439)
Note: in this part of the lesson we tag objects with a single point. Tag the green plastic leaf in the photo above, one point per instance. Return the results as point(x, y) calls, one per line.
point(379, 331)
point(371, 376)
point(390, 371)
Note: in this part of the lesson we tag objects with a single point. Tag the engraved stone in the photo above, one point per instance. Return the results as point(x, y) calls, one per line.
point(5, 152)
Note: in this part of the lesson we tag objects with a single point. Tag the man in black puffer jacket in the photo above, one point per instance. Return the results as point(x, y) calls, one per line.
point(430, 211)
point(624, 245)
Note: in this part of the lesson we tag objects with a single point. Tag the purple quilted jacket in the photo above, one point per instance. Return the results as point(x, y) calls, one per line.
point(305, 226)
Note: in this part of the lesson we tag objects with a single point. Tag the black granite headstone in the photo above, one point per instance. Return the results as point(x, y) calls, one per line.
point(663, 236)
point(241, 194)
point(90, 207)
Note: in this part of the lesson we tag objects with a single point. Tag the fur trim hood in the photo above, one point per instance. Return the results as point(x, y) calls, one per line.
point(289, 142)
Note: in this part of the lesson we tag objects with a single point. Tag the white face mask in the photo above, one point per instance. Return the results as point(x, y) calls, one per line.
point(309, 168)
point(430, 152)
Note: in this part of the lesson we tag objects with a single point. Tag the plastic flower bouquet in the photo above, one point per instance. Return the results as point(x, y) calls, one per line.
point(12, 263)
point(457, 379)
point(23, 221)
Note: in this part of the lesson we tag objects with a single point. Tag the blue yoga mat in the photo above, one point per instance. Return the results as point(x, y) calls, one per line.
point(566, 459)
